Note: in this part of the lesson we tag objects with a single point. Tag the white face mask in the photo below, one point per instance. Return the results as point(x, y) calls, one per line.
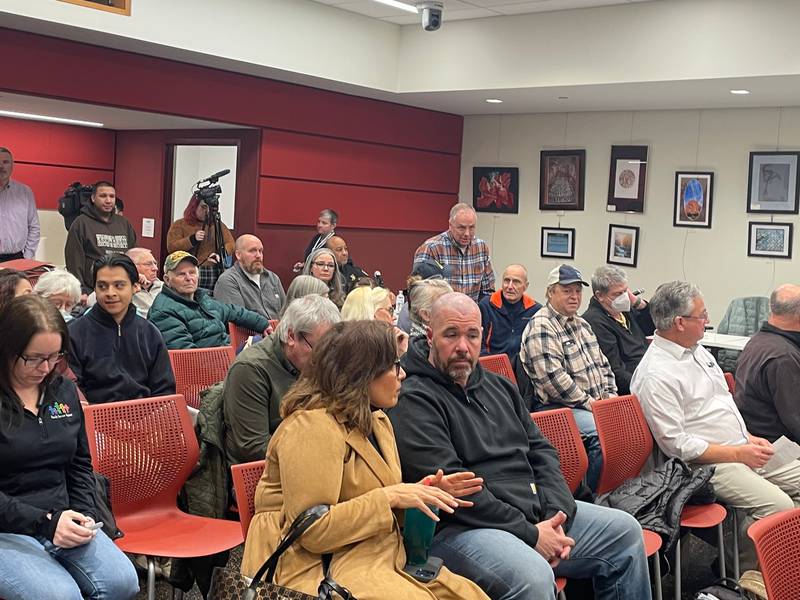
point(67, 316)
point(622, 303)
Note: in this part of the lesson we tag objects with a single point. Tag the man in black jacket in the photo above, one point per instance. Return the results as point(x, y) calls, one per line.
point(455, 416)
point(620, 321)
point(114, 353)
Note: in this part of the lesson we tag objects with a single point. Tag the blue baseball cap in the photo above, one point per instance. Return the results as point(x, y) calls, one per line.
point(565, 274)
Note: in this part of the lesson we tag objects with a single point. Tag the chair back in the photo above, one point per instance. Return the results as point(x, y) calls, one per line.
point(777, 541)
point(624, 437)
point(239, 334)
point(500, 364)
point(198, 369)
point(245, 479)
point(559, 427)
point(729, 379)
point(147, 448)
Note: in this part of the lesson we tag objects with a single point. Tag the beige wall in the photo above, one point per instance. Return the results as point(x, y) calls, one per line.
point(708, 140)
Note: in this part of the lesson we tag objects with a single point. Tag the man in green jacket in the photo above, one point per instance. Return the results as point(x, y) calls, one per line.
point(260, 376)
point(187, 316)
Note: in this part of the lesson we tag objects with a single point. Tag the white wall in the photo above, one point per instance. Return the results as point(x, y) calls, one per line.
point(708, 140)
point(193, 163)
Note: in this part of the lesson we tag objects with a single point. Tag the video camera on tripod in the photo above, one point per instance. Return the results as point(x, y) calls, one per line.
point(207, 190)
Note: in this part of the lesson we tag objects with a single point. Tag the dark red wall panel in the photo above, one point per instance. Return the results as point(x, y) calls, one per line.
point(48, 182)
point(55, 144)
point(46, 66)
point(315, 158)
point(292, 202)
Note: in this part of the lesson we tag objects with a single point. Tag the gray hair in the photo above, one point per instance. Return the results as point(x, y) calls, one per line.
point(330, 214)
point(335, 286)
point(421, 296)
point(136, 254)
point(606, 276)
point(303, 285)
point(305, 314)
point(785, 301)
point(457, 208)
point(58, 282)
point(673, 299)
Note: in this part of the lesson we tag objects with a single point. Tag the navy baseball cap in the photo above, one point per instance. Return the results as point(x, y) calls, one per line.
point(431, 269)
point(565, 274)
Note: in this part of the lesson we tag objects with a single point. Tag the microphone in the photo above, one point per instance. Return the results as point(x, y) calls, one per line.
point(638, 291)
point(213, 178)
point(379, 279)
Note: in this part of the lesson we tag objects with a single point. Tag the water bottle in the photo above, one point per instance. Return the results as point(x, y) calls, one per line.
point(398, 305)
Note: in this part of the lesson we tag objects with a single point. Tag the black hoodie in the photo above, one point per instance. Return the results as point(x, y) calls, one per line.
point(484, 428)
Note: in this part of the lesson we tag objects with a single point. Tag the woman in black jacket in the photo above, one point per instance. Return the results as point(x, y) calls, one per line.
point(49, 541)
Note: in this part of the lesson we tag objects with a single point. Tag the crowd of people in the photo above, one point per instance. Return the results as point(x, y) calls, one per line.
point(371, 407)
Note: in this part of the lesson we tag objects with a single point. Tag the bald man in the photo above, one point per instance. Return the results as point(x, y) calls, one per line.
point(351, 274)
point(524, 524)
point(768, 371)
point(506, 313)
point(247, 283)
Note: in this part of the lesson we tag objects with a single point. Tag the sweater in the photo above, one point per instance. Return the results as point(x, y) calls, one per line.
point(121, 361)
point(45, 466)
point(503, 323)
point(266, 298)
point(181, 237)
point(484, 428)
point(90, 237)
point(198, 323)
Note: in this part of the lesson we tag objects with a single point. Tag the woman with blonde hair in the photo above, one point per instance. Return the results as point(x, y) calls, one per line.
point(321, 263)
point(374, 304)
point(336, 446)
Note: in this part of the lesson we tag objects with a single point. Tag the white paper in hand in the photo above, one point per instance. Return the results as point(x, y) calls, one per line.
point(785, 452)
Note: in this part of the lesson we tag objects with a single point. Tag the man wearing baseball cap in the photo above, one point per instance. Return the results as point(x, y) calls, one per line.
point(561, 356)
point(187, 316)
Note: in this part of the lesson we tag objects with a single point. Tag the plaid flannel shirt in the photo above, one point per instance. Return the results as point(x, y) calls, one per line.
point(564, 361)
point(472, 272)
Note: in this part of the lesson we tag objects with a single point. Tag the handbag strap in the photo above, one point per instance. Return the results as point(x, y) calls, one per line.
point(303, 521)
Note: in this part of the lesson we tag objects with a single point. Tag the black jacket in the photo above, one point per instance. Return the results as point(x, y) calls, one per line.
point(623, 347)
point(118, 362)
point(486, 429)
point(350, 275)
point(45, 464)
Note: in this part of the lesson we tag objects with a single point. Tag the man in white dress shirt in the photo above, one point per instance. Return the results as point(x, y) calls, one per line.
point(692, 415)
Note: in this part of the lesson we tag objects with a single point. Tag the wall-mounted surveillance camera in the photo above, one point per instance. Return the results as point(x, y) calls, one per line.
point(431, 15)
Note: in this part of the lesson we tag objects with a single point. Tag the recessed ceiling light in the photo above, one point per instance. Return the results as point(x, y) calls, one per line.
point(494, 101)
point(400, 5)
point(740, 92)
point(33, 117)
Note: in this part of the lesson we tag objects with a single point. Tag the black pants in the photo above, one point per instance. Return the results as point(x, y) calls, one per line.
point(13, 256)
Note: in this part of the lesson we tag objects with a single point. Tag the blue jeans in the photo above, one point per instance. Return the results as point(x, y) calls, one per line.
point(608, 549)
point(588, 429)
point(33, 567)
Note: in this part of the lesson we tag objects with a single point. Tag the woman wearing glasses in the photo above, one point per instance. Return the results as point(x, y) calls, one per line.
point(322, 264)
point(335, 446)
point(49, 541)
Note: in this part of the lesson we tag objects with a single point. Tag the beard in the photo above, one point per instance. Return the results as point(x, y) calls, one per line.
point(458, 373)
point(255, 267)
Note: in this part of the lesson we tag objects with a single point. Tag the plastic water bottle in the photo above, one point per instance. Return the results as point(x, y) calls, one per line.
point(398, 305)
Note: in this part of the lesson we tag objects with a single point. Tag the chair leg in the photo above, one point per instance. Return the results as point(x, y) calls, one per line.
point(721, 543)
point(657, 574)
point(562, 595)
point(151, 578)
point(736, 573)
point(678, 569)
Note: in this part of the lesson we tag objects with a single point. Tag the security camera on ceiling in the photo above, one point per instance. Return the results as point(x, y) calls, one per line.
point(431, 15)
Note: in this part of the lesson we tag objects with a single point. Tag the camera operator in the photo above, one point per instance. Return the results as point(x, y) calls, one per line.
point(194, 233)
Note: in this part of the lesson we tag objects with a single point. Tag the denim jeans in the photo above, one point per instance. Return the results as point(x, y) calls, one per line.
point(608, 549)
point(34, 568)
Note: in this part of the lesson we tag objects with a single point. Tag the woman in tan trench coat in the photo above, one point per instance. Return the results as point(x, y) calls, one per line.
point(336, 447)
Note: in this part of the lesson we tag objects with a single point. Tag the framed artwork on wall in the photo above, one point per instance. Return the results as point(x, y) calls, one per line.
point(561, 178)
point(772, 182)
point(693, 196)
point(558, 242)
point(626, 179)
point(623, 245)
point(495, 189)
point(770, 239)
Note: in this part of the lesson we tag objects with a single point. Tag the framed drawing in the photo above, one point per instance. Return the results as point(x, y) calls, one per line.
point(558, 242)
point(561, 177)
point(772, 183)
point(693, 195)
point(623, 245)
point(770, 239)
point(626, 179)
point(495, 189)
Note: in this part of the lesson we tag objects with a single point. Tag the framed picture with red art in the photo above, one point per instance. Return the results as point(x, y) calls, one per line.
point(495, 189)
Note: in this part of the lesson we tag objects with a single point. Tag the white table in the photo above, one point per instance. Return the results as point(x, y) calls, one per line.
point(722, 340)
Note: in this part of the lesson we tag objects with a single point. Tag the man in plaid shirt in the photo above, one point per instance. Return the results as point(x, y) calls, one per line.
point(471, 270)
point(561, 356)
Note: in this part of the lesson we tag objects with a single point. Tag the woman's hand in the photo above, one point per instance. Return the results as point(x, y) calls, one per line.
point(416, 495)
point(200, 235)
point(70, 534)
point(213, 259)
point(458, 485)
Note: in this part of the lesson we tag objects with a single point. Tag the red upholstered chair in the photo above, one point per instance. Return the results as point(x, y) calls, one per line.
point(197, 369)
point(729, 379)
point(777, 541)
point(559, 427)
point(147, 448)
point(239, 334)
point(500, 364)
point(245, 480)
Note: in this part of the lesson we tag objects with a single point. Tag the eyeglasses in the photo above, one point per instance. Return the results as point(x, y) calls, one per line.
point(321, 265)
point(305, 339)
point(38, 361)
point(702, 317)
point(397, 368)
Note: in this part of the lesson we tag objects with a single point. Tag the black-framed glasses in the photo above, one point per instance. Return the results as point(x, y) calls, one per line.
point(322, 265)
point(305, 339)
point(397, 368)
point(37, 361)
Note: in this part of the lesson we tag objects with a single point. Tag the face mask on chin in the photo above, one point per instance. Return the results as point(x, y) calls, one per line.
point(621, 303)
point(66, 315)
